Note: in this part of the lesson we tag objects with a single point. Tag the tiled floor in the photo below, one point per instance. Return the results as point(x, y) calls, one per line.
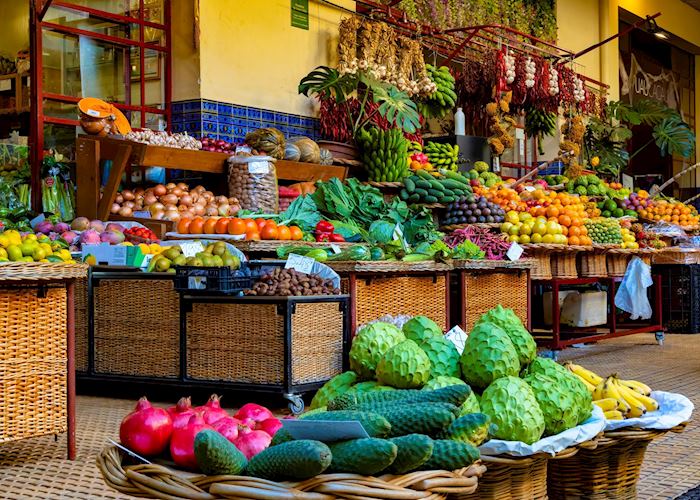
point(36, 468)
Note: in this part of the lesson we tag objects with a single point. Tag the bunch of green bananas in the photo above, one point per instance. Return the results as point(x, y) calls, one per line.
point(442, 155)
point(384, 154)
point(442, 101)
point(540, 123)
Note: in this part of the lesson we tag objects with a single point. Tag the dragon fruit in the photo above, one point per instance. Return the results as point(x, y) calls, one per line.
point(90, 237)
point(70, 237)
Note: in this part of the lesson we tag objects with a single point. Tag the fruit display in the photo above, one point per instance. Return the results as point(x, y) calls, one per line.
point(471, 210)
point(555, 180)
point(325, 232)
point(616, 208)
point(442, 155)
point(604, 231)
point(384, 154)
point(619, 399)
point(425, 188)
point(140, 235)
point(16, 247)
point(503, 196)
point(628, 239)
point(488, 245)
point(249, 229)
point(172, 202)
point(442, 101)
point(418, 160)
point(523, 228)
point(480, 175)
point(288, 282)
point(213, 255)
point(670, 210)
point(586, 185)
point(646, 239)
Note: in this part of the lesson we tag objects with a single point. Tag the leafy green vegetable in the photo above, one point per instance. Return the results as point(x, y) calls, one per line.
point(381, 232)
point(350, 231)
point(467, 250)
point(302, 212)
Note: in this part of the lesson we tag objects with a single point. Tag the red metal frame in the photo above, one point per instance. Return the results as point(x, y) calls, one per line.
point(36, 29)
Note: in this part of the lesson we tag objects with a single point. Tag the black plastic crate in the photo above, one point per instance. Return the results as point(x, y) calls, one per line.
point(213, 279)
point(680, 296)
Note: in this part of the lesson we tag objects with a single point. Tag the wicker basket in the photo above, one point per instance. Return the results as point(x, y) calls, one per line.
point(676, 255)
point(157, 481)
point(564, 265)
point(81, 325)
point(32, 362)
point(542, 267)
point(244, 342)
point(485, 290)
point(609, 470)
point(617, 262)
point(137, 327)
point(593, 265)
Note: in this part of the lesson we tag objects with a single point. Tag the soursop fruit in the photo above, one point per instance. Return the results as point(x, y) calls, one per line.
point(443, 355)
point(508, 321)
point(513, 409)
point(471, 405)
point(488, 355)
point(405, 366)
point(472, 429)
point(369, 386)
point(369, 345)
point(334, 388)
point(559, 406)
point(420, 328)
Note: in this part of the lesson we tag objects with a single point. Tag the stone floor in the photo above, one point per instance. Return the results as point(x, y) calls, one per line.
point(36, 468)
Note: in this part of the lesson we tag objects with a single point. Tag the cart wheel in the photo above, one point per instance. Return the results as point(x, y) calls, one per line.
point(554, 355)
point(660, 337)
point(296, 403)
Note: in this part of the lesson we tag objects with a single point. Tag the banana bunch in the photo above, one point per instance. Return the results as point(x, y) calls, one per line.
point(442, 101)
point(619, 399)
point(384, 154)
point(442, 155)
point(540, 123)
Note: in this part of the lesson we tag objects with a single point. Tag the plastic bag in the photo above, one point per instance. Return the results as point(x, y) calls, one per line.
point(253, 181)
point(632, 297)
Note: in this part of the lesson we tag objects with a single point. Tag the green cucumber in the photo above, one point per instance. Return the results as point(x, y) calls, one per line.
point(421, 192)
point(409, 184)
point(403, 194)
point(295, 461)
point(437, 185)
point(430, 199)
point(422, 183)
point(414, 198)
point(425, 175)
point(362, 456)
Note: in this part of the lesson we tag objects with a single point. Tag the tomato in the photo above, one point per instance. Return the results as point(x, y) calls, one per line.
point(237, 226)
point(296, 233)
point(221, 226)
point(284, 233)
point(269, 232)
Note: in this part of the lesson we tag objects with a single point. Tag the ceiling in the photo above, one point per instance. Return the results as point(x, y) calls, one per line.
point(693, 3)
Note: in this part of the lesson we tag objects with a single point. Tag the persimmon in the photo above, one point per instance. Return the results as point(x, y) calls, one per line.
point(296, 233)
point(183, 225)
point(236, 226)
point(196, 226)
point(269, 232)
point(283, 233)
point(210, 226)
point(221, 226)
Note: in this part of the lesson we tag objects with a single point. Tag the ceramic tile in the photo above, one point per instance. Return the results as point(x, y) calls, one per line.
point(268, 116)
point(254, 114)
point(281, 118)
point(225, 109)
point(208, 127)
point(224, 129)
point(294, 120)
point(224, 137)
point(238, 110)
point(210, 117)
point(209, 106)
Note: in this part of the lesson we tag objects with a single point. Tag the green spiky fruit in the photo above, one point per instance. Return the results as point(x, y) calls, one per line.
point(508, 321)
point(488, 355)
point(334, 388)
point(454, 395)
point(559, 406)
point(420, 328)
point(293, 460)
point(513, 409)
point(472, 429)
point(443, 356)
point(362, 456)
point(471, 405)
point(405, 366)
point(451, 455)
point(369, 345)
point(413, 451)
point(369, 386)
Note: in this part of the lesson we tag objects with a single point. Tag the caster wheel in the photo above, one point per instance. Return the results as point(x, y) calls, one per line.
point(660, 337)
point(296, 403)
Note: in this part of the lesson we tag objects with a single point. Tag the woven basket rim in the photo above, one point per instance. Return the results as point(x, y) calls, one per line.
point(454, 227)
point(388, 266)
point(158, 481)
point(42, 270)
point(526, 263)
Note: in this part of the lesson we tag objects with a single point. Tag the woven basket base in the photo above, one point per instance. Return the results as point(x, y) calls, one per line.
point(524, 479)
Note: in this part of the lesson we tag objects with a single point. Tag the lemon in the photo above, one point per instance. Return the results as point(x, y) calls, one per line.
point(505, 227)
point(28, 247)
point(28, 259)
point(64, 254)
point(155, 248)
point(525, 230)
point(524, 239)
point(15, 238)
point(548, 238)
point(30, 237)
point(539, 228)
point(536, 238)
point(514, 238)
point(46, 248)
point(4, 240)
point(523, 216)
point(145, 249)
point(38, 254)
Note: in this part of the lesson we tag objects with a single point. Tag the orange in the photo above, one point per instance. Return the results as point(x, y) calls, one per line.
point(574, 240)
point(565, 220)
point(210, 226)
point(574, 231)
point(564, 230)
point(283, 233)
point(250, 225)
point(269, 232)
point(252, 235)
point(197, 226)
point(552, 211)
point(221, 226)
point(236, 226)
point(296, 233)
point(183, 225)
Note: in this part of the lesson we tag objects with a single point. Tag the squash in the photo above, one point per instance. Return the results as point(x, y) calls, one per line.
point(267, 140)
point(310, 152)
point(291, 152)
point(326, 157)
point(304, 187)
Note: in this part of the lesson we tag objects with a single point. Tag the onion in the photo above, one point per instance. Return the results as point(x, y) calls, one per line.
point(125, 211)
point(169, 199)
point(195, 197)
point(128, 195)
point(211, 210)
point(220, 200)
point(170, 186)
point(183, 208)
point(199, 210)
point(172, 214)
point(115, 208)
point(159, 190)
point(158, 214)
point(138, 191)
point(181, 412)
point(129, 204)
point(183, 186)
point(146, 430)
point(156, 206)
point(170, 206)
point(177, 192)
point(186, 199)
point(182, 442)
point(211, 410)
point(198, 189)
point(150, 199)
point(119, 199)
point(223, 210)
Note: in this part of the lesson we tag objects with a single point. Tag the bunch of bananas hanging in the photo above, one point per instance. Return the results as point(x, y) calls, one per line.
point(442, 155)
point(540, 123)
point(442, 101)
point(384, 154)
point(619, 399)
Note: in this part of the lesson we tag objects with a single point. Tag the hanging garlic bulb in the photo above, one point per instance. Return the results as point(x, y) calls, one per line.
point(553, 81)
point(579, 91)
point(530, 71)
point(509, 61)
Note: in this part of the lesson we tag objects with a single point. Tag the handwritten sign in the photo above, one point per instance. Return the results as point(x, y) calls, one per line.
point(299, 263)
point(191, 248)
point(515, 251)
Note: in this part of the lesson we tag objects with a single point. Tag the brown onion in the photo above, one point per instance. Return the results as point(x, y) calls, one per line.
point(212, 210)
point(125, 211)
point(199, 210)
point(186, 200)
point(220, 200)
point(158, 214)
point(150, 199)
point(183, 186)
point(119, 199)
point(129, 204)
point(128, 195)
point(177, 192)
point(157, 206)
point(159, 190)
point(182, 208)
point(169, 199)
point(170, 186)
point(138, 191)
point(223, 209)
point(115, 208)
point(172, 215)
point(170, 206)
point(198, 189)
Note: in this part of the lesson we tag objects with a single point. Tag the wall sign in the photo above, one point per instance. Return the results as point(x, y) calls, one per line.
point(658, 84)
point(300, 14)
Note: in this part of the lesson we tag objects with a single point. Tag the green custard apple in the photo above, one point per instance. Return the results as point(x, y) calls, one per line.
point(405, 366)
point(369, 386)
point(420, 328)
point(488, 355)
point(443, 355)
point(369, 345)
point(559, 406)
point(508, 321)
point(514, 411)
point(334, 388)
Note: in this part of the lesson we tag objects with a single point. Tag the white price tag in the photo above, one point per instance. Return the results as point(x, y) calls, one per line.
point(398, 232)
point(142, 214)
point(191, 248)
point(530, 188)
point(36, 220)
point(457, 336)
point(515, 251)
point(259, 167)
point(335, 248)
point(299, 263)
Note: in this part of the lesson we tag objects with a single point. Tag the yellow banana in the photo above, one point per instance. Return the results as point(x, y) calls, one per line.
point(614, 415)
point(607, 404)
point(589, 386)
point(610, 390)
point(584, 373)
point(648, 403)
point(636, 386)
point(637, 409)
point(598, 391)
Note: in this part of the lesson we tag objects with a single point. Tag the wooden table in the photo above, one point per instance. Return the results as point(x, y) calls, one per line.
point(91, 150)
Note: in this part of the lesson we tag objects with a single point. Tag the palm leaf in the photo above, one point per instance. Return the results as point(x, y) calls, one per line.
point(328, 80)
point(652, 112)
point(674, 136)
point(397, 108)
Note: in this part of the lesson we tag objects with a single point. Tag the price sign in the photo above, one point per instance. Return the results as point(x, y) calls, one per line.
point(36, 220)
point(335, 249)
point(299, 263)
point(191, 248)
point(515, 251)
point(259, 167)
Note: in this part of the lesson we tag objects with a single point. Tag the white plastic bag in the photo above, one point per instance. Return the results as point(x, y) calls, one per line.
point(632, 297)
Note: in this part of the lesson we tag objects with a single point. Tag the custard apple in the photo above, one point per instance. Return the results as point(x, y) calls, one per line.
point(508, 321)
point(559, 406)
point(369, 345)
point(420, 328)
point(488, 355)
point(371, 386)
point(443, 355)
point(334, 388)
point(471, 405)
point(405, 366)
point(513, 409)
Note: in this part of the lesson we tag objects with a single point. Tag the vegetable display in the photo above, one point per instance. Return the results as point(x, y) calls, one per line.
point(473, 209)
point(426, 188)
point(288, 282)
point(384, 154)
point(442, 155)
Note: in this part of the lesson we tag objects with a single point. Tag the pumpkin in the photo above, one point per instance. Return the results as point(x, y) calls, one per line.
point(326, 157)
point(291, 152)
point(310, 152)
point(267, 140)
point(304, 187)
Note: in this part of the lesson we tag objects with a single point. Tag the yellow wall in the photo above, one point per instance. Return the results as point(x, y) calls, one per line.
point(186, 66)
point(251, 55)
point(14, 26)
point(571, 13)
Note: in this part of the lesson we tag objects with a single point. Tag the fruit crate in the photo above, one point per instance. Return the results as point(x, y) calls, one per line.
point(191, 279)
point(680, 285)
point(289, 345)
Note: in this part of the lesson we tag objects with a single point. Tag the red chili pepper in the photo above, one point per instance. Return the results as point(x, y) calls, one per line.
point(326, 237)
point(337, 238)
point(324, 227)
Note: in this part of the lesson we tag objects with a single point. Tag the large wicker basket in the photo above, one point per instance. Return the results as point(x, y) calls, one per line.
point(609, 470)
point(81, 325)
point(541, 257)
point(157, 481)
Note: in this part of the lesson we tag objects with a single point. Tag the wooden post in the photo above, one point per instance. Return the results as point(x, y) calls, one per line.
point(87, 159)
point(115, 175)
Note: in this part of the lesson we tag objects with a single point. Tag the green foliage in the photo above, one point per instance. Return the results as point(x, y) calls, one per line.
point(674, 136)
